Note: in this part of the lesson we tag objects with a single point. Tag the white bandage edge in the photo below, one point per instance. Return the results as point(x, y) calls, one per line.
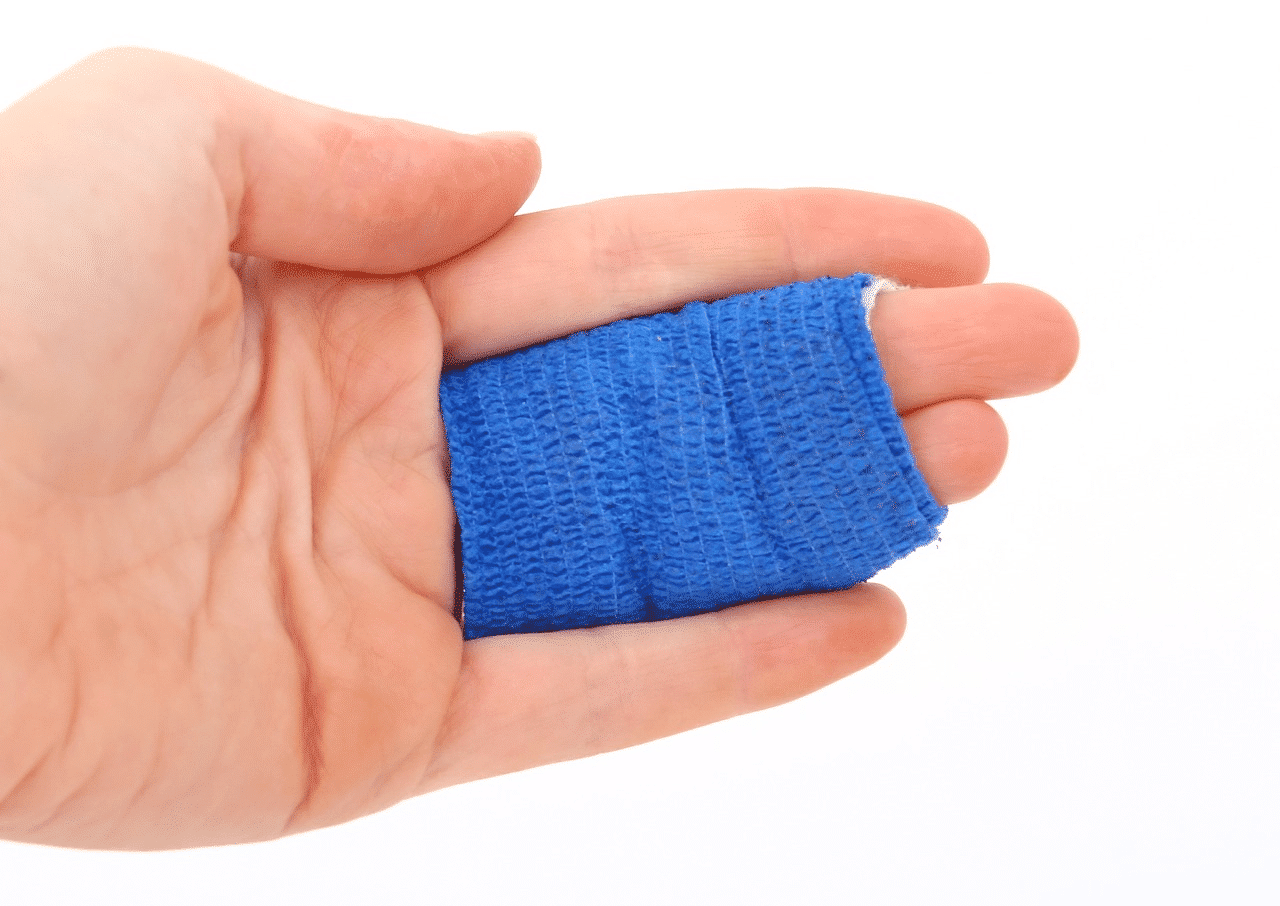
point(874, 289)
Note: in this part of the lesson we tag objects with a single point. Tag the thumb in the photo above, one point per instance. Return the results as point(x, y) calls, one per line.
point(312, 185)
point(335, 190)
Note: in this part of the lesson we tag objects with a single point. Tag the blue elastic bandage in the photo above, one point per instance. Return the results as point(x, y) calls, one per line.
point(680, 463)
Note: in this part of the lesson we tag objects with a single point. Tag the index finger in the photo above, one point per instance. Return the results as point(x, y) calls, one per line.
point(551, 273)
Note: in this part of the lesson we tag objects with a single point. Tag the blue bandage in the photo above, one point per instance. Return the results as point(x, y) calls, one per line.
point(681, 463)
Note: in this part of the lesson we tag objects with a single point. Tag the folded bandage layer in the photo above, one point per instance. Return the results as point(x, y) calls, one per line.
point(680, 463)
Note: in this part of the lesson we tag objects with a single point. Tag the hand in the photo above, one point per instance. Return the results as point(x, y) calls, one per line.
point(225, 524)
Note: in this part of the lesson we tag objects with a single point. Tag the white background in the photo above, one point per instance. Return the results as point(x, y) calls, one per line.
point(1086, 707)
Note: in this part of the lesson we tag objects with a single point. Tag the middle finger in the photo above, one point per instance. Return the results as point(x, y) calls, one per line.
point(990, 341)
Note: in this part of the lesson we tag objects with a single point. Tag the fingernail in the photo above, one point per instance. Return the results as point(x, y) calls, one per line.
point(511, 135)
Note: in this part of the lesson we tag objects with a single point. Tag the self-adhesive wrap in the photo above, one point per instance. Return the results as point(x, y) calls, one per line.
point(680, 463)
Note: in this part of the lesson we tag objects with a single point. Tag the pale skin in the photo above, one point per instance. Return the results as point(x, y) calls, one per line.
point(226, 536)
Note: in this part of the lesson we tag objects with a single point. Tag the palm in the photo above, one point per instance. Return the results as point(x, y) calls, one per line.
point(225, 492)
point(263, 572)
point(345, 448)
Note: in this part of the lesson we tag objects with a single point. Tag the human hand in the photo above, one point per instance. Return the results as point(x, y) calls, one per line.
point(225, 522)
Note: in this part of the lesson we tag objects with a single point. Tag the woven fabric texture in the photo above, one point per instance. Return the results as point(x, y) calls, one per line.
point(681, 463)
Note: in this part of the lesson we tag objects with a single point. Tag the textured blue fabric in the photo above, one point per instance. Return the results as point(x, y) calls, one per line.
point(681, 463)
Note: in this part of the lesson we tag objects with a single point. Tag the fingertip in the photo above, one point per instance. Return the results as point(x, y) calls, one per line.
point(1059, 325)
point(959, 447)
point(972, 250)
point(1047, 331)
point(924, 245)
point(794, 646)
point(520, 155)
point(962, 257)
point(880, 622)
point(894, 613)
